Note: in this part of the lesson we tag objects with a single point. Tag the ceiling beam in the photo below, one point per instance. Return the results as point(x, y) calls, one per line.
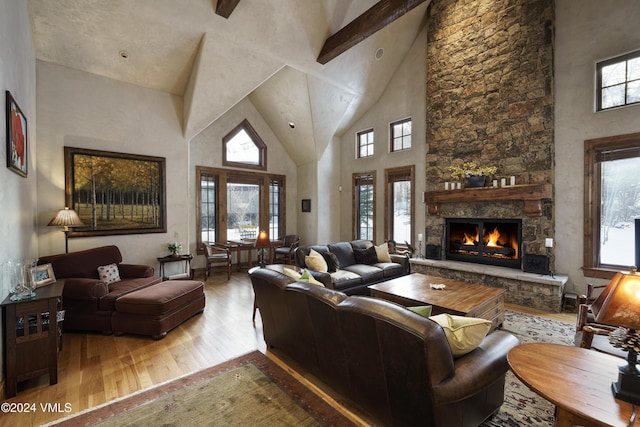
point(377, 17)
point(225, 7)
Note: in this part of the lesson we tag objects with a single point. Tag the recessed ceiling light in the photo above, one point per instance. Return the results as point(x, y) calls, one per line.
point(123, 54)
point(292, 125)
point(379, 53)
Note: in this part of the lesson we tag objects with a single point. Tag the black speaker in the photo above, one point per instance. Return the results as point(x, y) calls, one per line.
point(433, 252)
point(533, 263)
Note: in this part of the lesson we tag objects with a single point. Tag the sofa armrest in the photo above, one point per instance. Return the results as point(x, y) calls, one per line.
point(403, 260)
point(324, 278)
point(477, 369)
point(84, 289)
point(133, 271)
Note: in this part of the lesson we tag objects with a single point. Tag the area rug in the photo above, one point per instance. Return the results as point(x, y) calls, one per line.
point(249, 390)
point(523, 407)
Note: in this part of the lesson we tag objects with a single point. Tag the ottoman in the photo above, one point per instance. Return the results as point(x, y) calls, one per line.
point(158, 308)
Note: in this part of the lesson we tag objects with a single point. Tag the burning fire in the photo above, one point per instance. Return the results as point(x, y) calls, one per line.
point(493, 238)
point(469, 239)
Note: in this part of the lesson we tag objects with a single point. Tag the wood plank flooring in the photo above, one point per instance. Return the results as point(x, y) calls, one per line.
point(94, 369)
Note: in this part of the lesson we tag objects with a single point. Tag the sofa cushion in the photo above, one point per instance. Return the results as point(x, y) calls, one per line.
point(344, 252)
point(422, 310)
point(123, 287)
point(366, 256)
point(463, 333)
point(316, 262)
point(390, 269)
point(343, 279)
point(368, 273)
point(109, 273)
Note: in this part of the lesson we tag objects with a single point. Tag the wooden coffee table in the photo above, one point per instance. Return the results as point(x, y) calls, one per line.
point(576, 380)
point(459, 298)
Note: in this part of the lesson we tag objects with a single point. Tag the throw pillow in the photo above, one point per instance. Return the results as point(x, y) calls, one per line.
point(291, 273)
point(422, 310)
point(382, 251)
point(308, 277)
point(332, 261)
point(316, 262)
point(109, 273)
point(366, 256)
point(463, 333)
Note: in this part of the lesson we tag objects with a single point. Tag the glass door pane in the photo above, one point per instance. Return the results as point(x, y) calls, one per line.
point(243, 211)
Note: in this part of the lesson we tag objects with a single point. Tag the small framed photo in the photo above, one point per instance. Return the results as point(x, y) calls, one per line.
point(16, 137)
point(306, 205)
point(42, 275)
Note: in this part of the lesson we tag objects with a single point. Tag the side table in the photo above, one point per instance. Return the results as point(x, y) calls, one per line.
point(32, 336)
point(186, 259)
point(576, 380)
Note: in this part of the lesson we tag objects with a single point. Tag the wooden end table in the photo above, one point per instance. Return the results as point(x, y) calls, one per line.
point(576, 380)
point(32, 336)
point(457, 298)
point(185, 258)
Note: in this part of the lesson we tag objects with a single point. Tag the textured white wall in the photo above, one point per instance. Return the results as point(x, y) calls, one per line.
point(404, 97)
point(78, 109)
point(17, 194)
point(586, 32)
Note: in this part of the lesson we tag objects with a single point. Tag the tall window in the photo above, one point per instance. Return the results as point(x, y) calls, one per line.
point(399, 201)
point(243, 147)
point(364, 201)
point(237, 204)
point(400, 133)
point(365, 143)
point(618, 81)
point(208, 208)
point(276, 202)
point(612, 202)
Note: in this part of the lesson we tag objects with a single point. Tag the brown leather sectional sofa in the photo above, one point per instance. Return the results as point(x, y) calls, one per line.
point(89, 302)
point(360, 276)
point(392, 363)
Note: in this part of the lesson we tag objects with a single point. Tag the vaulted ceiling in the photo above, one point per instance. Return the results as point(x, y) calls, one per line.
point(266, 50)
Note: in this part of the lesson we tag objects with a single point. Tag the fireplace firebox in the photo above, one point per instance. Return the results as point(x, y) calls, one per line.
point(485, 241)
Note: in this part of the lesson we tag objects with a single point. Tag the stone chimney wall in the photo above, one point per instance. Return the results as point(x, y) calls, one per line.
point(490, 100)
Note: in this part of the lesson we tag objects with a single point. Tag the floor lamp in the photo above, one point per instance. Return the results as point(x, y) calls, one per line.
point(66, 218)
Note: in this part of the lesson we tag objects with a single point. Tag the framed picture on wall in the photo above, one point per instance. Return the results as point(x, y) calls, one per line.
point(115, 193)
point(17, 142)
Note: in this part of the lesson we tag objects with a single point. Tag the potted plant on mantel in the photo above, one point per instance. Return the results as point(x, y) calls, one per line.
point(475, 175)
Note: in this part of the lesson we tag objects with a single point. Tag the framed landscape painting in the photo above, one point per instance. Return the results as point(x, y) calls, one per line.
point(16, 137)
point(115, 193)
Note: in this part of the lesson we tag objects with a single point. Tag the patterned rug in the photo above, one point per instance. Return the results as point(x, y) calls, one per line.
point(250, 390)
point(523, 407)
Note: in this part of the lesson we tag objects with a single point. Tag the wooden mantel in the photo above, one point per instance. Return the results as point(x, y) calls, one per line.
point(531, 194)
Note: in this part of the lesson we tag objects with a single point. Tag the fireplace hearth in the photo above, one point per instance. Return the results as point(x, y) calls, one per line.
point(485, 241)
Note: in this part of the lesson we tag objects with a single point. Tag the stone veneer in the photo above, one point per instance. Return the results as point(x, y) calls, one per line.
point(490, 100)
point(530, 290)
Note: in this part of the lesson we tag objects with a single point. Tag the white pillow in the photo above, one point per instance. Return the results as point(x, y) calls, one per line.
point(316, 262)
point(382, 251)
point(109, 273)
point(291, 273)
point(463, 333)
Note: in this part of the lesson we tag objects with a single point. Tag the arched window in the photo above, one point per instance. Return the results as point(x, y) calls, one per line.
point(243, 147)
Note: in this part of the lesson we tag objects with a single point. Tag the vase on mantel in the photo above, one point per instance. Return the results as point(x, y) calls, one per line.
point(476, 181)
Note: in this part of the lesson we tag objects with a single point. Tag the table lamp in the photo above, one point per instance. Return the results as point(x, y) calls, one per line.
point(66, 218)
point(619, 305)
point(262, 242)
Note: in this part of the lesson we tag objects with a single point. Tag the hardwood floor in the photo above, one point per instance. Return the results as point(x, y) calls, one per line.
point(94, 369)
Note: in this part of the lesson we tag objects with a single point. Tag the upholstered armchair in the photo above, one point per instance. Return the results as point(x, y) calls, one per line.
point(217, 255)
point(284, 254)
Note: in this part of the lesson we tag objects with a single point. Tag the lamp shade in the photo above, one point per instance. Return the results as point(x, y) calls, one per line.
point(263, 240)
point(66, 218)
point(619, 304)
